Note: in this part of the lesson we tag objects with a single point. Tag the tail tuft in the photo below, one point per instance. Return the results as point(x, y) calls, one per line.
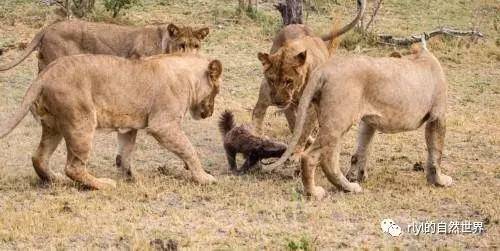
point(226, 122)
point(424, 43)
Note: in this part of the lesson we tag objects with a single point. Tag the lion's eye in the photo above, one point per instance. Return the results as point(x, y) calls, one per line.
point(288, 82)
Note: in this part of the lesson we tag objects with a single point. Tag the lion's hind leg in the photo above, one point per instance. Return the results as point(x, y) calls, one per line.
point(79, 145)
point(48, 144)
point(126, 145)
point(308, 162)
point(435, 131)
point(332, 128)
point(358, 171)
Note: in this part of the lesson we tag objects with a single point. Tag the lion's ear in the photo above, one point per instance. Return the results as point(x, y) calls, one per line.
point(173, 30)
point(201, 33)
point(395, 54)
point(264, 59)
point(214, 69)
point(300, 58)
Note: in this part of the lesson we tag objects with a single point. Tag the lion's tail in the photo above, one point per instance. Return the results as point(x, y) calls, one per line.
point(335, 42)
point(336, 33)
point(29, 49)
point(29, 98)
point(314, 84)
point(226, 122)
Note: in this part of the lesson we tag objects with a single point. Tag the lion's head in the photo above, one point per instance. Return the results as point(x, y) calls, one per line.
point(205, 107)
point(285, 72)
point(183, 39)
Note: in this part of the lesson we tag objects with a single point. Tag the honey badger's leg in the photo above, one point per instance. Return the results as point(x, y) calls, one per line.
point(259, 111)
point(434, 136)
point(309, 161)
point(79, 146)
point(126, 145)
point(48, 144)
point(231, 158)
point(173, 138)
point(358, 171)
point(251, 161)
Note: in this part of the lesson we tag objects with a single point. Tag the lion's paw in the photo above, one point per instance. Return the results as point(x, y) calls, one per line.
point(105, 183)
point(56, 177)
point(441, 180)
point(353, 187)
point(205, 179)
point(317, 193)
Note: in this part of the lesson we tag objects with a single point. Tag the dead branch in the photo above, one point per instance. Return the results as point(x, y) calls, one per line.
point(405, 41)
point(374, 14)
point(291, 11)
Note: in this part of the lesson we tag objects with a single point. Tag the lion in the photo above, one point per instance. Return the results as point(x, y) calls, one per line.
point(295, 53)
point(78, 94)
point(80, 37)
point(387, 94)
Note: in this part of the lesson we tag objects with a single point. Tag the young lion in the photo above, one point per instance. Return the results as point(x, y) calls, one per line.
point(79, 37)
point(387, 94)
point(295, 53)
point(78, 94)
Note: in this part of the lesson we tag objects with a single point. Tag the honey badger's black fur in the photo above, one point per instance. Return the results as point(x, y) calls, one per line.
point(240, 139)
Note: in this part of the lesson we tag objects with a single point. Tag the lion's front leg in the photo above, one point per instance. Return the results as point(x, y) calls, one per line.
point(174, 139)
point(126, 146)
point(259, 111)
point(48, 144)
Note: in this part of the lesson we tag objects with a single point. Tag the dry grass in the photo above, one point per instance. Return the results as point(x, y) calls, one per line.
point(262, 211)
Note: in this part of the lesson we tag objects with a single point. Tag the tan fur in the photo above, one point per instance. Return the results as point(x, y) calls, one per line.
point(78, 94)
point(80, 37)
point(386, 94)
point(295, 53)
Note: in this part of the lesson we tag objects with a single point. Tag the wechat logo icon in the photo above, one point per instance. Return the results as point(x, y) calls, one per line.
point(388, 226)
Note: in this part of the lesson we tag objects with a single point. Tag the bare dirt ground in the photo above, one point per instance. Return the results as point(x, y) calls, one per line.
point(263, 210)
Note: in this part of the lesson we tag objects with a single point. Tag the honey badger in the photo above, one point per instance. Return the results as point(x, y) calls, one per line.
point(241, 139)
